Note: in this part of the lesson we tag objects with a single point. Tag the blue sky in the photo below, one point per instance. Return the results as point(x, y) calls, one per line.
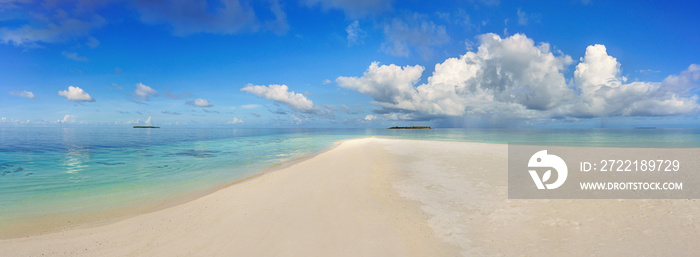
point(340, 63)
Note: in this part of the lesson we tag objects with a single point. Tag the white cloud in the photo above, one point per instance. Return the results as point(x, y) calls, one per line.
point(281, 94)
point(23, 93)
point(398, 116)
point(647, 71)
point(413, 32)
point(67, 119)
point(235, 121)
point(15, 121)
point(514, 78)
point(386, 84)
point(250, 106)
point(524, 18)
point(136, 122)
point(76, 94)
point(297, 120)
point(355, 33)
point(604, 91)
point(74, 56)
point(143, 91)
point(326, 81)
point(370, 117)
point(200, 103)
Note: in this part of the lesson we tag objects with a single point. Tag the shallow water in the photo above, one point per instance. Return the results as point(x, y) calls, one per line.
point(54, 171)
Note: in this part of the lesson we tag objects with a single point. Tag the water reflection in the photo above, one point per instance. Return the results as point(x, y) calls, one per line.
point(74, 161)
point(76, 155)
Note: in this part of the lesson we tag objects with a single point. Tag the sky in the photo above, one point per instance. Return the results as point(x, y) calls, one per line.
point(350, 63)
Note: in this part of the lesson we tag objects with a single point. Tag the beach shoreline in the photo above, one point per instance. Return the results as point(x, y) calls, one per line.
point(386, 197)
point(46, 224)
point(388, 223)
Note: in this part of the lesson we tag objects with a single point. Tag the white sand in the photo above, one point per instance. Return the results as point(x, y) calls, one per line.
point(380, 197)
point(339, 203)
point(463, 187)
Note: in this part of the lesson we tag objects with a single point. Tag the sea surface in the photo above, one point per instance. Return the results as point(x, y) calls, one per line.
point(61, 171)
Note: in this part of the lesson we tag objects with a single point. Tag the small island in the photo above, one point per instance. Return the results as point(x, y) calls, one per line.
point(412, 127)
point(145, 127)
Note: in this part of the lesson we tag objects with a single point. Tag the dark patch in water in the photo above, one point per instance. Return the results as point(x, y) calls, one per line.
point(15, 171)
point(5, 166)
point(196, 153)
point(110, 163)
point(29, 173)
point(162, 166)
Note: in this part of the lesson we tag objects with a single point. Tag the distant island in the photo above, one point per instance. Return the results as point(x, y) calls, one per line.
point(145, 127)
point(412, 127)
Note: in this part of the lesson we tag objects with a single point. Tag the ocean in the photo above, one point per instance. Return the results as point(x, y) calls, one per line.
point(62, 171)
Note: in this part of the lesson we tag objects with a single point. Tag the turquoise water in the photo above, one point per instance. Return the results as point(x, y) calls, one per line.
point(46, 171)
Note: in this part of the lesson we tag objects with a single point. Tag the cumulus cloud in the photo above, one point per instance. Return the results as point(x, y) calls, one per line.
point(604, 92)
point(370, 117)
point(200, 103)
point(514, 78)
point(67, 119)
point(76, 94)
point(355, 34)
point(413, 32)
point(386, 84)
point(187, 17)
point(352, 8)
point(281, 94)
point(23, 93)
point(144, 92)
point(235, 121)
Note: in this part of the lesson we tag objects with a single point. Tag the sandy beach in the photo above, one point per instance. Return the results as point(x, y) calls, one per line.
point(385, 197)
